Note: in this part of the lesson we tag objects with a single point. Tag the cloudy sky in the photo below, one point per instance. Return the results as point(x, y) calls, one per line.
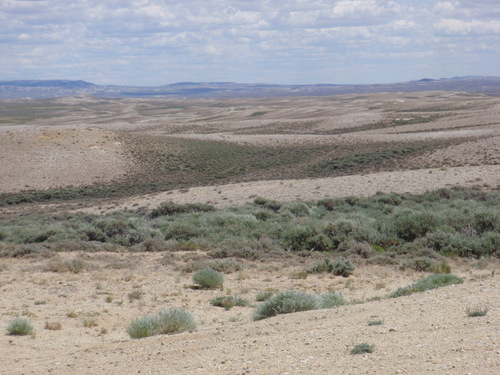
point(155, 42)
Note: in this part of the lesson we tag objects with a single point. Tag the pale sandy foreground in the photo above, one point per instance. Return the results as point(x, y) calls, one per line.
point(427, 333)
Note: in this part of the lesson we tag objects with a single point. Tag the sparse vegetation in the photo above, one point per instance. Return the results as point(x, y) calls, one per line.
point(227, 302)
point(339, 266)
point(473, 312)
point(375, 321)
point(266, 294)
point(332, 299)
point(53, 326)
point(165, 322)
point(89, 322)
point(74, 266)
point(226, 265)
point(134, 295)
point(427, 283)
point(20, 327)
point(362, 348)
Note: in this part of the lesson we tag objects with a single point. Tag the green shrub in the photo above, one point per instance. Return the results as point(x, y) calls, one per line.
point(410, 225)
point(226, 265)
point(266, 294)
point(183, 231)
point(427, 283)
point(74, 265)
point(171, 208)
point(165, 322)
point(286, 303)
point(267, 203)
point(343, 267)
point(229, 301)
point(325, 265)
point(263, 215)
point(486, 221)
point(476, 312)
point(174, 320)
point(20, 327)
point(375, 322)
point(442, 267)
point(142, 327)
point(421, 264)
point(208, 278)
point(332, 299)
point(149, 245)
point(362, 348)
point(339, 266)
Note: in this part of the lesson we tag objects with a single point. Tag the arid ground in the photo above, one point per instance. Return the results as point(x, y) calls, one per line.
point(98, 156)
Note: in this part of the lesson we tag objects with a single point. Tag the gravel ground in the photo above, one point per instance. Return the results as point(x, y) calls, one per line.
point(426, 333)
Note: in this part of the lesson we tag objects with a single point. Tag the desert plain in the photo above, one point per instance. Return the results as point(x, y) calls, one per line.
point(101, 156)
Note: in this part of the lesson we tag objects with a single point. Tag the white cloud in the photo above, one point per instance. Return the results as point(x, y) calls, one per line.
point(445, 8)
point(403, 25)
point(211, 50)
point(261, 38)
point(459, 27)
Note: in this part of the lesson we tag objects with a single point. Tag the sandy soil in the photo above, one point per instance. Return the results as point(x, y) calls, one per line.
point(47, 158)
point(424, 333)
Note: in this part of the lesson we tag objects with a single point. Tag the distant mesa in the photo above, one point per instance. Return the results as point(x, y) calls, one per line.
point(48, 83)
point(42, 89)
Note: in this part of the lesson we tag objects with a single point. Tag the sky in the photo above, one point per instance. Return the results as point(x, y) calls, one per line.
point(157, 42)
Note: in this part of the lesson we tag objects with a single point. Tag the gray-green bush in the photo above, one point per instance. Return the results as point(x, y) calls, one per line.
point(165, 322)
point(286, 303)
point(339, 266)
point(227, 302)
point(20, 327)
point(427, 283)
point(293, 301)
point(208, 278)
point(363, 348)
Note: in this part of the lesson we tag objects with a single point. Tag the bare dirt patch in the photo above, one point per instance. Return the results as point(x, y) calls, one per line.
point(46, 158)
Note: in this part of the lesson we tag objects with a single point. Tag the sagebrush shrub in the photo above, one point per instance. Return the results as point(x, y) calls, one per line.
point(20, 326)
point(421, 264)
point(174, 320)
point(410, 225)
point(427, 283)
point(476, 311)
point(339, 266)
point(265, 294)
point(227, 302)
point(342, 267)
point(332, 299)
point(286, 303)
point(171, 208)
point(362, 348)
point(165, 322)
point(208, 278)
point(142, 327)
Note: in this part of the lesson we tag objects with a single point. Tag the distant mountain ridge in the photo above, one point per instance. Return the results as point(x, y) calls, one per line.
point(38, 89)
